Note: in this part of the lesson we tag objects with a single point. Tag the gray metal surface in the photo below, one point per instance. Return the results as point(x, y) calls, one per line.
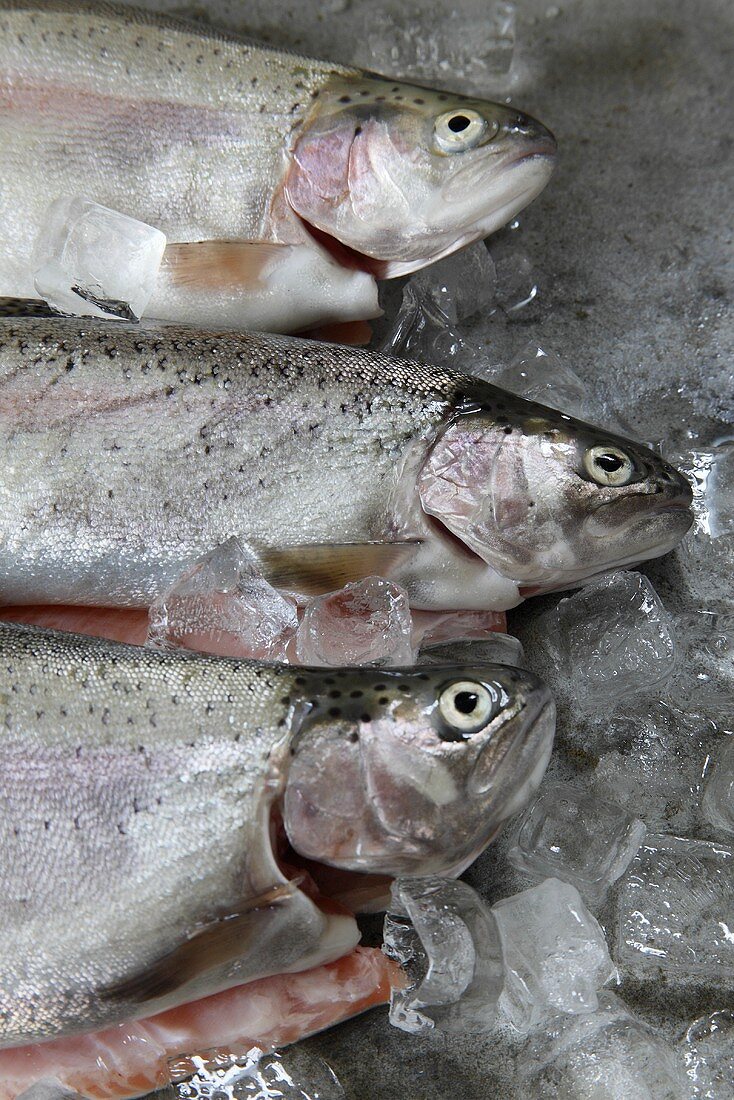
point(631, 241)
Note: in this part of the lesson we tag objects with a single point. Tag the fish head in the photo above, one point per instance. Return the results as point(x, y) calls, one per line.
point(401, 175)
point(411, 772)
point(546, 500)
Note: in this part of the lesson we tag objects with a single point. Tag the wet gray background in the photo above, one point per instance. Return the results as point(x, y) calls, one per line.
point(631, 243)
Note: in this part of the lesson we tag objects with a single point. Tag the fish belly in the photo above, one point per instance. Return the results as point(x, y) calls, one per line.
point(131, 1059)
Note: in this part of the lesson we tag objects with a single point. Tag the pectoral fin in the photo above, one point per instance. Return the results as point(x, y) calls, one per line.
point(210, 946)
point(221, 265)
point(315, 568)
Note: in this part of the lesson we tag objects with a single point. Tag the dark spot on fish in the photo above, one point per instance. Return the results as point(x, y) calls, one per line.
point(357, 131)
point(507, 430)
point(380, 687)
point(345, 99)
point(300, 681)
point(353, 738)
point(335, 694)
point(531, 504)
point(420, 102)
point(422, 676)
point(383, 700)
point(365, 718)
point(405, 688)
point(286, 700)
point(335, 712)
point(356, 694)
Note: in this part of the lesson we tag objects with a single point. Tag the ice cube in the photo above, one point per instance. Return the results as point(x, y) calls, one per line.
point(447, 941)
point(569, 834)
point(499, 649)
point(555, 954)
point(706, 675)
point(49, 1089)
point(467, 51)
point(222, 605)
point(517, 283)
point(708, 1054)
point(90, 261)
point(659, 767)
point(366, 622)
point(457, 287)
point(717, 805)
point(675, 912)
point(711, 473)
point(294, 1074)
point(604, 1055)
point(611, 639)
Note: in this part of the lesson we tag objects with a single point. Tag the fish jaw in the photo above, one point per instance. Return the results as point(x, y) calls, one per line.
point(130, 1060)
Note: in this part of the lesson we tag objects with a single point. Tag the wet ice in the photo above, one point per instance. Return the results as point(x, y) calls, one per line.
point(570, 834)
point(447, 940)
point(468, 50)
point(608, 1054)
point(294, 1074)
point(708, 1053)
point(366, 622)
point(717, 804)
point(223, 605)
point(555, 954)
point(90, 261)
point(675, 912)
point(612, 639)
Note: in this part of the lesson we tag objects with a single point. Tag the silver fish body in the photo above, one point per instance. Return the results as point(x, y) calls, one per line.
point(241, 154)
point(136, 794)
point(127, 453)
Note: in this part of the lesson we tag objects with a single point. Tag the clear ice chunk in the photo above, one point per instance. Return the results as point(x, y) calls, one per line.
point(438, 299)
point(675, 912)
point(457, 287)
point(706, 675)
point(708, 1055)
point(555, 954)
point(539, 374)
point(447, 942)
point(366, 622)
point(222, 605)
point(604, 1055)
point(495, 648)
point(294, 1074)
point(90, 261)
point(517, 284)
point(660, 764)
point(610, 640)
point(467, 51)
point(717, 804)
point(49, 1089)
point(570, 834)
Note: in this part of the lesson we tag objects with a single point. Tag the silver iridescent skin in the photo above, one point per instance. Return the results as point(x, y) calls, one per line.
point(126, 453)
point(137, 794)
point(284, 184)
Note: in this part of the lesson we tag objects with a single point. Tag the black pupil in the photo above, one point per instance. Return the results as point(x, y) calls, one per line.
point(466, 702)
point(610, 462)
point(458, 123)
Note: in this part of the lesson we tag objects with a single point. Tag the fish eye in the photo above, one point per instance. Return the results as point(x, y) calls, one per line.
point(466, 707)
point(456, 131)
point(609, 465)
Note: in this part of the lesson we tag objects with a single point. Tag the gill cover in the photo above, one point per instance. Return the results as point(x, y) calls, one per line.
point(413, 771)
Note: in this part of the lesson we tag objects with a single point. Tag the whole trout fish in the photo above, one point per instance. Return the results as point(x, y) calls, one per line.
point(141, 794)
point(127, 453)
point(284, 184)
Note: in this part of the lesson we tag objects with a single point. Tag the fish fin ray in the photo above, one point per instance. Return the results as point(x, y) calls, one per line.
point(211, 945)
point(218, 265)
point(316, 568)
